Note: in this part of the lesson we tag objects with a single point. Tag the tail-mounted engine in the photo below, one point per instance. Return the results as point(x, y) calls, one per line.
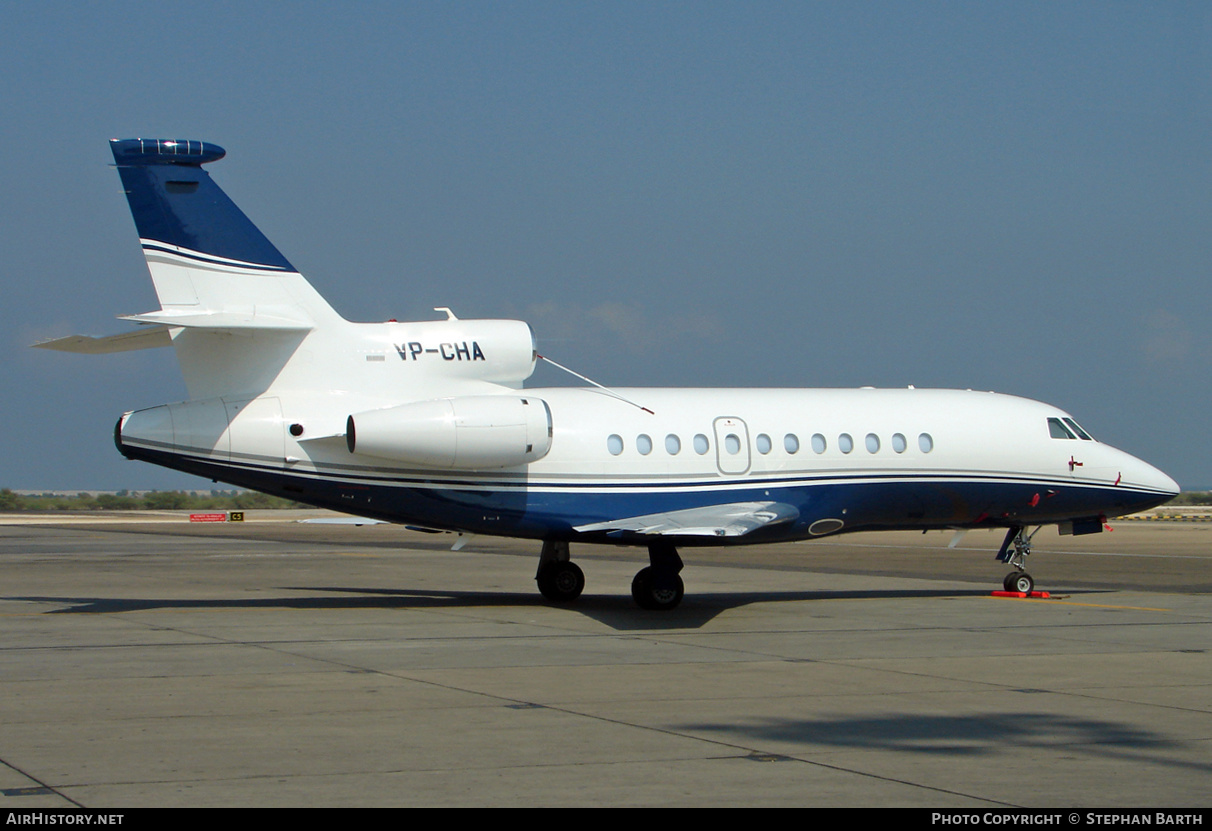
point(497, 351)
point(465, 433)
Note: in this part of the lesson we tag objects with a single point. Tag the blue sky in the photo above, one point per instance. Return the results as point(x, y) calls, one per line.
point(994, 196)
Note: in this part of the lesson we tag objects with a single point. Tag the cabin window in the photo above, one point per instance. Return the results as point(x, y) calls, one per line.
point(845, 443)
point(764, 445)
point(819, 445)
point(643, 444)
point(898, 443)
point(1058, 430)
point(873, 443)
point(732, 443)
point(791, 443)
point(614, 444)
point(925, 442)
point(701, 445)
point(673, 445)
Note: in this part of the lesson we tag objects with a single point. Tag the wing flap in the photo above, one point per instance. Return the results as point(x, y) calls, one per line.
point(734, 519)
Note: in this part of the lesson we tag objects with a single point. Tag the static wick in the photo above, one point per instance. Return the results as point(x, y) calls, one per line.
point(602, 387)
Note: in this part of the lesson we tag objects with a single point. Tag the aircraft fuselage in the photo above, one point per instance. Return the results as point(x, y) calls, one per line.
point(846, 460)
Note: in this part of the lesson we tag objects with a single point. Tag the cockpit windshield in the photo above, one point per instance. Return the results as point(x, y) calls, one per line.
point(1067, 428)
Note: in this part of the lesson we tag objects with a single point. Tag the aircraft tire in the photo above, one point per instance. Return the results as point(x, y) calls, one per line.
point(655, 591)
point(1023, 582)
point(561, 582)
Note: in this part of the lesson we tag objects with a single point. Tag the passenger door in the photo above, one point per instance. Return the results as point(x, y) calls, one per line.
point(731, 445)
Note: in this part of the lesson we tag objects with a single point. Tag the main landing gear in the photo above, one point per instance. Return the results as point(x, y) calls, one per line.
point(1014, 551)
point(658, 587)
point(560, 580)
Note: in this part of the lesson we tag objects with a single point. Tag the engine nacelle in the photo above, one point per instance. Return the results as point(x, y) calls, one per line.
point(466, 433)
point(497, 351)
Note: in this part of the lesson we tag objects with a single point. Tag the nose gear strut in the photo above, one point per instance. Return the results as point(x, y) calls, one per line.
point(1014, 552)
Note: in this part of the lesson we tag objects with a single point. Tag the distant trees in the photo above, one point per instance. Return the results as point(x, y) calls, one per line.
point(165, 501)
point(217, 500)
point(1191, 498)
point(120, 501)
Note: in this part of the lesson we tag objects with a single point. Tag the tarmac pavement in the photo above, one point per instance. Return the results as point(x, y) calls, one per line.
point(269, 663)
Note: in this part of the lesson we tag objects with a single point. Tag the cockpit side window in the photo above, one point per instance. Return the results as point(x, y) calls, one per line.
point(1058, 430)
point(1081, 434)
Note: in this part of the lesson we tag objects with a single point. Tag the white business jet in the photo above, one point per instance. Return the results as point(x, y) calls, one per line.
point(428, 424)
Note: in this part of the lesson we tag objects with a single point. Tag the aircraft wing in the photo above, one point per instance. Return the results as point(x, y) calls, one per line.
point(341, 520)
point(732, 520)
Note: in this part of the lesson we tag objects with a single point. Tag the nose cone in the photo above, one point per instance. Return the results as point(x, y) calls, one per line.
point(1138, 473)
point(1165, 483)
point(1149, 486)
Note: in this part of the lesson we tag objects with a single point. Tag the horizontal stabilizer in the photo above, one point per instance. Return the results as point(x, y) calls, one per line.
point(732, 520)
point(147, 338)
point(223, 320)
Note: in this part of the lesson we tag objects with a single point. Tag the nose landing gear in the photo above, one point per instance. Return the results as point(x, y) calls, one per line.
point(1014, 552)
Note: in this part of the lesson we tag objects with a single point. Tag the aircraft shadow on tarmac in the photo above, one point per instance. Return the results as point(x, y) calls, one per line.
point(616, 611)
point(968, 735)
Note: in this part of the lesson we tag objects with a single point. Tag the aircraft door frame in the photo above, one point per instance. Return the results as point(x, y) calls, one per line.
point(727, 462)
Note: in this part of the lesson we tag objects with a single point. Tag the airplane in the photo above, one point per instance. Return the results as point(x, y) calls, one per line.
point(429, 423)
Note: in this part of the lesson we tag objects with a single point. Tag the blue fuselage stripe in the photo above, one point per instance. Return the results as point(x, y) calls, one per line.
point(551, 511)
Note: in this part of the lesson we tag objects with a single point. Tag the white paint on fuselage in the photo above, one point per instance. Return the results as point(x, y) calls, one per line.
point(343, 368)
point(970, 433)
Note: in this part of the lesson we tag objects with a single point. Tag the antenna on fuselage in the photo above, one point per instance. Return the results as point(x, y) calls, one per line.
point(602, 387)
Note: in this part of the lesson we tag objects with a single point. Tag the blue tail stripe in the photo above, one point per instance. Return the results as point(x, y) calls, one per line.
point(220, 262)
point(174, 201)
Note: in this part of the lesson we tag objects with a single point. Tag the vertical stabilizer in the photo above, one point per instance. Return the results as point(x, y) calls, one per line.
point(180, 211)
point(216, 275)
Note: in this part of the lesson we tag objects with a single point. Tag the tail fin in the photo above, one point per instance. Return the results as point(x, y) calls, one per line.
point(214, 272)
point(182, 214)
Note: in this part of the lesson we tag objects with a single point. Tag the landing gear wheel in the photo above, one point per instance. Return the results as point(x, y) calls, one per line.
point(561, 582)
point(1021, 582)
point(656, 590)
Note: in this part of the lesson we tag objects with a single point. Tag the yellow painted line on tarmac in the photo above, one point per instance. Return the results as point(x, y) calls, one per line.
point(1089, 605)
